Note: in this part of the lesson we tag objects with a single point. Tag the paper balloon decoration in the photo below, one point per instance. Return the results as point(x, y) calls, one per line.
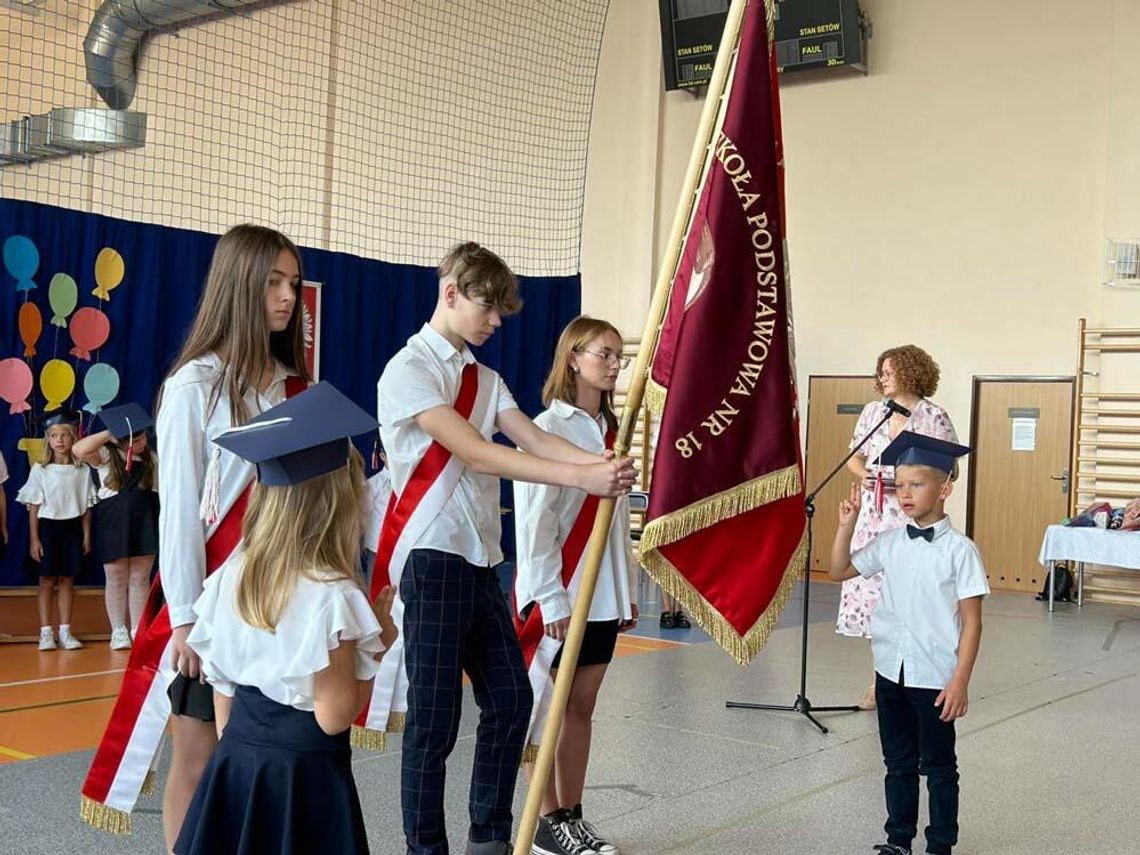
point(22, 260)
point(89, 330)
point(57, 382)
point(31, 325)
point(109, 270)
point(16, 384)
point(101, 384)
point(63, 294)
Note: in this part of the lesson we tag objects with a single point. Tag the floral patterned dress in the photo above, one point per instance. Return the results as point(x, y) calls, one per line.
point(860, 595)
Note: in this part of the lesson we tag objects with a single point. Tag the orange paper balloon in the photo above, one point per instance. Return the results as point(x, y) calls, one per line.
point(31, 325)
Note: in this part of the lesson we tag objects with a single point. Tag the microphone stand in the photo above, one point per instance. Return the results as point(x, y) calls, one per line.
point(802, 704)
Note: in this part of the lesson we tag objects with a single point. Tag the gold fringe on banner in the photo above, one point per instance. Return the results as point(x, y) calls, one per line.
point(654, 397)
point(770, 19)
point(368, 739)
point(377, 740)
point(742, 648)
point(103, 818)
point(150, 784)
point(729, 503)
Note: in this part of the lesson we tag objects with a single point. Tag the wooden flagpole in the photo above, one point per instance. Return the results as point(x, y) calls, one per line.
point(711, 118)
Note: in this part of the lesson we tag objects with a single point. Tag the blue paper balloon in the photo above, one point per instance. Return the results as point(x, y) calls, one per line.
point(101, 383)
point(22, 260)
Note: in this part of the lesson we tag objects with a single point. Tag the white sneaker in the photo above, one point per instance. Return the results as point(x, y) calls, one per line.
point(68, 641)
point(120, 638)
point(47, 639)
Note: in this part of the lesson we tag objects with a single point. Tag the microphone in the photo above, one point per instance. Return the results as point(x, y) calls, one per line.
point(897, 408)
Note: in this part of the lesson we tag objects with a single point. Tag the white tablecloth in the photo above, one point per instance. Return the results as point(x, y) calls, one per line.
point(1092, 546)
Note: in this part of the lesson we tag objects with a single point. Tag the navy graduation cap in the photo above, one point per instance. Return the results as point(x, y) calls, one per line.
point(61, 417)
point(126, 421)
point(915, 449)
point(305, 437)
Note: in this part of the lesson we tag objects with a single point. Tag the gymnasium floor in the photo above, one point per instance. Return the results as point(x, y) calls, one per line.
point(1049, 752)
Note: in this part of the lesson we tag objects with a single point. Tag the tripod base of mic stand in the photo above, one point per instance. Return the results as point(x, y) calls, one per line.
point(802, 706)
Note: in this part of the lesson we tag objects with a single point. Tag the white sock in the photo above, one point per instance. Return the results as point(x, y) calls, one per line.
point(45, 630)
point(65, 629)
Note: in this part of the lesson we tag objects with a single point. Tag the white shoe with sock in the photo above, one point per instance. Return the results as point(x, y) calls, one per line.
point(66, 640)
point(47, 638)
point(120, 638)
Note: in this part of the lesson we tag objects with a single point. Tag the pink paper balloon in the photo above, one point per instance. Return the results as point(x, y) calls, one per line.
point(90, 329)
point(16, 383)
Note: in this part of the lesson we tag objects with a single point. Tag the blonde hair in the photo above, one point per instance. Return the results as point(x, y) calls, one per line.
point(479, 273)
point(560, 382)
point(230, 320)
point(48, 457)
point(299, 530)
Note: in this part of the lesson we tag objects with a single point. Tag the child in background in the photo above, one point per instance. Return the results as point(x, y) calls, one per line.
point(127, 513)
point(59, 495)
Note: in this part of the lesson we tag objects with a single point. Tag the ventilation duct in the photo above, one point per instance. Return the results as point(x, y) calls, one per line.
point(67, 130)
point(116, 33)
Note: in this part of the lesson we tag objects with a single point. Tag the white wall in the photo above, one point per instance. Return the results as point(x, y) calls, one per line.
point(957, 197)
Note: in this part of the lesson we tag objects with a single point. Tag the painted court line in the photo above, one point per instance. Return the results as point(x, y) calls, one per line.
point(63, 677)
point(14, 754)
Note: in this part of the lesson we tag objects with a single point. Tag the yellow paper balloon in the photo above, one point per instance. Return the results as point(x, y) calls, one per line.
point(109, 272)
point(34, 448)
point(57, 382)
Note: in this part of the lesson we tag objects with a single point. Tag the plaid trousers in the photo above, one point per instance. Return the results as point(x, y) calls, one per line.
point(456, 619)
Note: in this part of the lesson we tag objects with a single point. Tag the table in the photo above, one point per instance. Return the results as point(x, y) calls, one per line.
point(1087, 545)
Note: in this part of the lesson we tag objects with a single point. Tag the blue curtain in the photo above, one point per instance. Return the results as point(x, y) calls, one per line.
point(369, 309)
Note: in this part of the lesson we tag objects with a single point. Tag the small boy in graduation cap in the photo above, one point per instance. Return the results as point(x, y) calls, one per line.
point(925, 633)
point(289, 640)
point(126, 518)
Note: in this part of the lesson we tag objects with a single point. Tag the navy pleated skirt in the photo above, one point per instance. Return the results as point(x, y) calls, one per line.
point(275, 783)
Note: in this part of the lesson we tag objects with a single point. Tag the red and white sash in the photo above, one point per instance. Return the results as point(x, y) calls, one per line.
point(129, 748)
point(409, 515)
point(538, 648)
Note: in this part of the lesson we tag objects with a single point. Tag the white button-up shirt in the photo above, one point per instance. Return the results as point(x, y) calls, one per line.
point(544, 516)
point(185, 430)
point(917, 623)
point(425, 374)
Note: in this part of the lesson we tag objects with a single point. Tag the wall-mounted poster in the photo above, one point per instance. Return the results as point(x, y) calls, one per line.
point(311, 320)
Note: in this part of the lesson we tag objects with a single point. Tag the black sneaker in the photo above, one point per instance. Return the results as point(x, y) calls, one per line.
point(586, 832)
point(892, 849)
point(680, 621)
point(666, 621)
point(555, 836)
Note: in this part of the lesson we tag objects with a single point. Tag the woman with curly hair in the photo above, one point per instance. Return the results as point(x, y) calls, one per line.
point(908, 375)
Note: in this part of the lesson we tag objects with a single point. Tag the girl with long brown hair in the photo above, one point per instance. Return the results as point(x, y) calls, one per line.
point(244, 347)
point(126, 517)
point(549, 522)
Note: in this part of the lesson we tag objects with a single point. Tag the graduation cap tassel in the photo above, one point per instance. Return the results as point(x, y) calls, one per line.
point(208, 509)
point(130, 445)
point(376, 454)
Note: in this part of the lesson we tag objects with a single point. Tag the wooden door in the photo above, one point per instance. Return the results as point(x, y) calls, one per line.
point(834, 405)
point(1021, 432)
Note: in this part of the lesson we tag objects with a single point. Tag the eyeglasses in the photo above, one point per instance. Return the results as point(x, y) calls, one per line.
point(608, 357)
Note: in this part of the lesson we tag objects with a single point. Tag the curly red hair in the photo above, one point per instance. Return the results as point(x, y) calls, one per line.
point(916, 371)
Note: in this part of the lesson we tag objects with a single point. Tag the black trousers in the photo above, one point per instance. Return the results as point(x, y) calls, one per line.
point(456, 621)
point(915, 741)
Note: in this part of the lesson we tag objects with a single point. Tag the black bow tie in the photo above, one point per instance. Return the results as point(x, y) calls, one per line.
point(914, 532)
